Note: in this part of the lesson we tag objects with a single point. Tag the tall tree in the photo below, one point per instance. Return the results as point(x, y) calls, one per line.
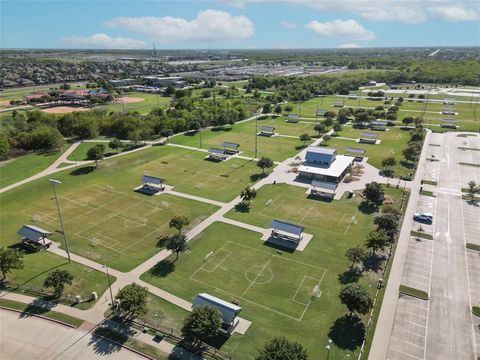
point(200, 325)
point(248, 194)
point(265, 163)
point(176, 243)
point(320, 128)
point(115, 144)
point(278, 109)
point(179, 222)
point(132, 300)
point(355, 254)
point(388, 163)
point(377, 240)
point(387, 222)
point(10, 259)
point(58, 279)
point(373, 193)
point(305, 138)
point(96, 153)
point(356, 298)
point(279, 348)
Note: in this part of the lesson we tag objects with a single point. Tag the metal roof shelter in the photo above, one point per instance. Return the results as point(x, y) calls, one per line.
point(379, 123)
point(323, 188)
point(147, 179)
point(33, 233)
point(368, 135)
point(449, 101)
point(217, 154)
point(230, 147)
point(450, 121)
point(352, 96)
point(267, 130)
point(339, 103)
point(320, 112)
point(285, 230)
point(293, 118)
point(356, 152)
point(228, 310)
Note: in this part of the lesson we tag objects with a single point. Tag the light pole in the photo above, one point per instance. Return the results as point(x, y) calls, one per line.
point(256, 136)
point(329, 347)
point(57, 182)
point(109, 284)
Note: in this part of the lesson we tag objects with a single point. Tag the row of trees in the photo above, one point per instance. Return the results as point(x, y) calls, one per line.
point(38, 131)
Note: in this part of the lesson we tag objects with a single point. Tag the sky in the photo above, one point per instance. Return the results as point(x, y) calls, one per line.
point(238, 24)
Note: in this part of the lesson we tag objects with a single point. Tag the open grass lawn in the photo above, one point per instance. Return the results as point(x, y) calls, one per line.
point(275, 287)
point(144, 107)
point(283, 127)
point(164, 315)
point(23, 167)
point(105, 219)
point(393, 141)
point(189, 172)
point(431, 112)
point(277, 148)
point(80, 153)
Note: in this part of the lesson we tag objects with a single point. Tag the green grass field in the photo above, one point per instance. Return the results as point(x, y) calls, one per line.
point(80, 153)
point(189, 172)
point(275, 287)
point(23, 167)
point(410, 107)
point(277, 148)
point(393, 141)
point(144, 107)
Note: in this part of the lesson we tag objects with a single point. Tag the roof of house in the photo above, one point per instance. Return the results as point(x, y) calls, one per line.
point(230, 144)
point(368, 135)
point(267, 128)
point(355, 150)
point(335, 169)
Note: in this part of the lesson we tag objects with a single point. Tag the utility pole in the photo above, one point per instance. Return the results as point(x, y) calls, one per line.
point(109, 284)
point(256, 136)
point(57, 182)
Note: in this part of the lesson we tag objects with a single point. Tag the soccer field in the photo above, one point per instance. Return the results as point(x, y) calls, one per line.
point(246, 274)
point(111, 226)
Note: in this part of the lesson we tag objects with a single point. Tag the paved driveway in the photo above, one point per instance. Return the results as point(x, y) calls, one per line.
point(31, 338)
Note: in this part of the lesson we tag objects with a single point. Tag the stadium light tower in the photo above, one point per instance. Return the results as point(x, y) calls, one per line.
point(57, 182)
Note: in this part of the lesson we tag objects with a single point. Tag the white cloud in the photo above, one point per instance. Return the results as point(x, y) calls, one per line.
point(349, 46)
point(102, 41)
point(341, 28)
point(209, 25)
point(456, 13)
point(288, 25)
point(406, 11)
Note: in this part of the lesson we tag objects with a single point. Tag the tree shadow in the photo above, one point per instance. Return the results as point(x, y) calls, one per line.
point(301, 147)
point(407, 164)
point(82, 171)
point(162, 240)
point(242, 207)
point(367, 208)
point(373, 262)
point(163, 268)
point(256, 177)
point(218, 340)
point(37, 307)
point(350, 276)
point(105, 341)
point(347, 332)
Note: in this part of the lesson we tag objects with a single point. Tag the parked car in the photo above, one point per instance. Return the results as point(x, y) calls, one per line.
point(423, 217)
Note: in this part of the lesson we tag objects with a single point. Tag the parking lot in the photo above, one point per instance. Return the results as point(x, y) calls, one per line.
point(443, 327)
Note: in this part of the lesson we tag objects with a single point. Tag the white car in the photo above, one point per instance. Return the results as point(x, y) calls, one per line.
point(426, 217)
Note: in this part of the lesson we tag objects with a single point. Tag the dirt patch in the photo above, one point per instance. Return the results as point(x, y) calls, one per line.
point(128, 99)
point(64, 109)
point(4, 103)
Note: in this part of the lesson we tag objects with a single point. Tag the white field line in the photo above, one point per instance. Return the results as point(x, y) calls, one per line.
point(258, 275)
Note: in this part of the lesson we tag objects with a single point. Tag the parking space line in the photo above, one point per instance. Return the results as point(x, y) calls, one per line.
point(404, 353)
point(407, 342)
